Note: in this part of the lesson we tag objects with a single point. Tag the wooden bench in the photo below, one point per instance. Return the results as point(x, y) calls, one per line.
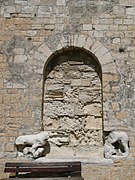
point(47, 169)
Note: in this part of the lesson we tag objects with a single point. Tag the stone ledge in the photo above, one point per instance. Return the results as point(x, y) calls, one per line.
point(84, 161)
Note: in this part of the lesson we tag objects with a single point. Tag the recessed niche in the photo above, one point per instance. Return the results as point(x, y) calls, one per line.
point(72, 102)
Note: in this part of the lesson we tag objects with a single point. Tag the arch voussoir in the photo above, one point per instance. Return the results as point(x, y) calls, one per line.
point(96, 46)
point(109, 68)
point(81, 40)
point(45, 50)
point(89, 43)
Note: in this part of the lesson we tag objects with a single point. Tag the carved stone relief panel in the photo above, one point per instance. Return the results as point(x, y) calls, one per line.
point(116, 145)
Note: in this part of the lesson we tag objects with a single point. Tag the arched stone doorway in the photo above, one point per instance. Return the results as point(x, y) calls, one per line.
point(72, 103)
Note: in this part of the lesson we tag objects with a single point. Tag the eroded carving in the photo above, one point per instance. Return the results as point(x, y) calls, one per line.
point(32, 144)
point(116, 145)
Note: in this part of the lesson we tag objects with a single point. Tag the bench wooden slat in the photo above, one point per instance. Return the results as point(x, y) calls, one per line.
point(63, 169)
point(43, 164)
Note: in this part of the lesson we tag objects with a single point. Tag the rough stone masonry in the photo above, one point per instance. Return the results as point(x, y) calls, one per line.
point(68, 67)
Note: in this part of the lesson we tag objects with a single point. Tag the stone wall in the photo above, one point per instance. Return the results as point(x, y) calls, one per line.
point(32, 33)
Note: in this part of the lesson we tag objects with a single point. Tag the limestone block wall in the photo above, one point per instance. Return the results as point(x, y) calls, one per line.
point(35, 31)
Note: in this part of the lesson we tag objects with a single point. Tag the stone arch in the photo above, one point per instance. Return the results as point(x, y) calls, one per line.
point(89, 43)
point(92, 45)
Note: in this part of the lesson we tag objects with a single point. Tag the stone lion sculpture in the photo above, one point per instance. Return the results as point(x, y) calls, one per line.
point(33, 144)
point(116, 145)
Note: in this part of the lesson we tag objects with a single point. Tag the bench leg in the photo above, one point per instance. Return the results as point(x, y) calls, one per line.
point(13, 175)
point(16, 176)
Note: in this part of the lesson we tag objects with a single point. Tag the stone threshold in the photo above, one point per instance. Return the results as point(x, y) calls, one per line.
point(84, 161)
